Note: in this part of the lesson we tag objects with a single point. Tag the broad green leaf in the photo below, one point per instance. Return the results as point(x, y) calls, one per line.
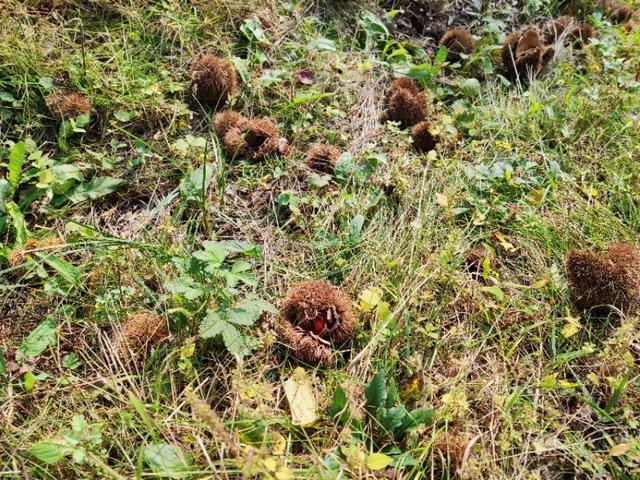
point(5, 193)
point(470, 87)
point(194, 186)
point(376, 391)
point(39, 339)
point(184, 286)
point(302, 401)
point(49, 452)
point(70, 273)
point(234, 341)
point(378, 461)
point(248, 311)
point(337, 409)
point(124, 115)
point(167, 460)
point(16, 160)
point(391, 418)
point(392, 393)
point(419, 416)
point(211, 325)
point(97, 187)
point(17, 220)
point(3, 364)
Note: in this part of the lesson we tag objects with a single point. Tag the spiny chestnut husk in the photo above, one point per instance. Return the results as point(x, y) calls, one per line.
point(139, 333)
point(423, 139)
point(405, 103)
point(581, 34)
point(598, 281)
point(554, 30)
point(458, 41)
point(316, 316)
point(250, 138)
point(213, 80)
point(323, 158)
point(523, 52)
point(621, 13)
point(65, 105)
point(225, 121)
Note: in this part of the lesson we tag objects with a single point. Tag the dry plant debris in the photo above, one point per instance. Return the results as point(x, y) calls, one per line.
point(598, 281)
point(213, 80)
point(65, 105)
point(316, 316)
point(458, 41)
point(524, 53)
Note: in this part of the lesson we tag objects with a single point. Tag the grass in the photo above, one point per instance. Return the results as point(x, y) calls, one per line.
point(108, 217)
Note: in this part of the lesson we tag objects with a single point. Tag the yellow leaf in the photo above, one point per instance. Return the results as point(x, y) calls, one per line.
point(571, 327)
point(619, 449)
point(284, 473)
point(354, 456)
point(270, 464)
point(278, 443)
point(508, 246)
point(541, 283)
point(442, 200)
point(378, 461)
point(369, 298)
point(302, 401)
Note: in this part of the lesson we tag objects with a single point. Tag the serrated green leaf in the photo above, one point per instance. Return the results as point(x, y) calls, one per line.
point(49, 452)
point(211, 325)
point(392, 393)
point(39, 339)
point(391, 418)
point(184, 286)
point(419, 416)
point(16, 160)
point(234, 341)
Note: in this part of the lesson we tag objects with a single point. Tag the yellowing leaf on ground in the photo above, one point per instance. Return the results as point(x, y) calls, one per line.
point(442, 200)
point(508, 246)
point(619, 449)
point(302, 401)
point(369, 298)
point(378, 461)
point(542, 283)
point(278, 443)
point(571, 327)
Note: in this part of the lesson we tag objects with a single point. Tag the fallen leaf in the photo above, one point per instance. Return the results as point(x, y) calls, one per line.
point(369, 298)
point(619, 449)
point(378, 461)
point(302, 401)
point(442, 200)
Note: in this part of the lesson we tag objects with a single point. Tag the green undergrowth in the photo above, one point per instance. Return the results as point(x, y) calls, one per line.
point(453, 372)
